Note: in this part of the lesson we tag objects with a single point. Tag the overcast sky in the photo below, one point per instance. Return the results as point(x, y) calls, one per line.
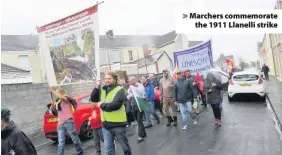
point(133, 17)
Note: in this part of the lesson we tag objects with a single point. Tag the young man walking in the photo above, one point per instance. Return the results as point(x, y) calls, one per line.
point(66, 122)
point(184, 94)
point(149, 90)
point(166, 90)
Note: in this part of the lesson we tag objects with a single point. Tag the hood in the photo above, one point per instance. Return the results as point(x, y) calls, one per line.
point(8, 130)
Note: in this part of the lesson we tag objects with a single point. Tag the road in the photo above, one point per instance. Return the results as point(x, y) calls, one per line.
point(248, 129)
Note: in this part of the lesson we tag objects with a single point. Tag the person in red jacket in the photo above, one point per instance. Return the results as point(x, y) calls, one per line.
point(158, 104)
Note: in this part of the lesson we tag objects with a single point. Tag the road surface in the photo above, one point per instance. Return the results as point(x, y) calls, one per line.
point(248, 129)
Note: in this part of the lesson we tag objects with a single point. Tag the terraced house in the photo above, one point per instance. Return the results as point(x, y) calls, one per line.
point(135, 54)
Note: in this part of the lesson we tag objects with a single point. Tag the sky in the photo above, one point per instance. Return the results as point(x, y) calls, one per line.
point(134, 17)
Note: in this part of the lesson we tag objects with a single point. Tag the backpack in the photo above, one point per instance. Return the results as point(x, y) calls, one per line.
point(72, 102)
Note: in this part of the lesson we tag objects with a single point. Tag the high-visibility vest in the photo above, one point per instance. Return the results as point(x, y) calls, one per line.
point(113, 116)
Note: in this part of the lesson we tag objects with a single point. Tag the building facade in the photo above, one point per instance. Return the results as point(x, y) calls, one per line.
point(271, 51)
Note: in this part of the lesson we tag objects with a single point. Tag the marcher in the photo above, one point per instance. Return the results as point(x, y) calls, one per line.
point(166, 90)
point(95, 119)
point(213, 87)
point(65, 122)
point(265, 70)
point(149, 90)
point(127, 104)
point(158, 103)
point(153, 80)
point(184, 94)
point(138, 114)
point(113, 114)
point(13, 140)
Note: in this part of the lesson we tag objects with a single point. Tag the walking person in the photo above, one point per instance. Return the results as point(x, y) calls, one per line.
point(95, 119)
point(153, 80)
point(265, 70)
point(149, 90)
point(138, 113)
point(213, 87)
point(65, 122)
point(13, 140)
point(158, 103)
point(184, 94)
point(113, 114)
point(166, 90)
point(127, 104)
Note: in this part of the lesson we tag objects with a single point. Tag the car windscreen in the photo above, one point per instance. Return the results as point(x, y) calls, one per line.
point(245, 77)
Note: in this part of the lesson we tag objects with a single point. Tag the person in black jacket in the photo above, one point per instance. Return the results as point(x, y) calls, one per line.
point(13, 140)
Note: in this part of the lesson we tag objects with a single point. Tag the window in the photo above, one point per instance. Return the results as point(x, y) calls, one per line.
point(246, 77)
point(85, 100)
point(24, 62)
point(130, 55)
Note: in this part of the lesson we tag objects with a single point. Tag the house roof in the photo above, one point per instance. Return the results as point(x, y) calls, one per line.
point(149, 59)
point(30, 42)
point(19, 42)
point(194, 43)
point(10, 74)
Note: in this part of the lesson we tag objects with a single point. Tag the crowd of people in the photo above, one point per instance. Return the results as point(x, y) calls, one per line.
point(117, 104)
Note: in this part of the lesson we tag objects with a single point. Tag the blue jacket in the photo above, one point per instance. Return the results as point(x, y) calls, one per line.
point(149, 88)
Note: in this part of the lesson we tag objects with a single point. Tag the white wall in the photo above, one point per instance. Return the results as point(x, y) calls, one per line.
point(151, 69)
point(165, 63)
point(114, 55)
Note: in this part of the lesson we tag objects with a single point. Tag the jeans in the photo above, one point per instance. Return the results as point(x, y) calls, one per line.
point(151, 110)
point(68, 127)
point(185, 109)
point(138, 116)
point(216, 111)
point(119, 134)
point(98, 137)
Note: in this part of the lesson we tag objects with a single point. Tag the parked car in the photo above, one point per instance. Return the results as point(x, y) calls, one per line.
point(248, 83)
point(80, 116)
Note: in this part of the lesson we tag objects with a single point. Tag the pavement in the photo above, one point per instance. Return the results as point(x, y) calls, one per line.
point(248, 129)
point(274, 90)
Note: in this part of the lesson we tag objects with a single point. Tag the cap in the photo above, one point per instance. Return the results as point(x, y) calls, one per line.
point(179, 72)
point(5, 112)
point(165, 70)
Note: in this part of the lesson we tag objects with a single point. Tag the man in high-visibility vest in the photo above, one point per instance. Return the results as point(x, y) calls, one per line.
point(113, 114)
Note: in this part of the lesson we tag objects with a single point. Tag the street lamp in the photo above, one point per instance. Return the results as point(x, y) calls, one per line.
point(109, 35)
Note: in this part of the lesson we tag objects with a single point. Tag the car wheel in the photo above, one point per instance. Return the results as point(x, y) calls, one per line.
point(263, 99)
point(230, 99)
point(86, 131)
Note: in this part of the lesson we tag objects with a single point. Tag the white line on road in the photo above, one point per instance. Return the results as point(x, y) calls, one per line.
point(40, 145)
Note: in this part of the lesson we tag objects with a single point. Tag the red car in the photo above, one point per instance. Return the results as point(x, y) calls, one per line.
point(80, 116)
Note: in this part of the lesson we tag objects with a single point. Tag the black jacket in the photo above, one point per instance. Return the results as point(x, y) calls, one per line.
point(13, 140)
point(116, 104)
point(183, 91)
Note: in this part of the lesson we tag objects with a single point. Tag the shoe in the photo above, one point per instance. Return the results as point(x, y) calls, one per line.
point(219, 123)
point(169, 120)
point(158, 121)
point(216, 122)
point(140, 139)
point(148, 126)
point(174, 121)
point(195, 122)
point(184, 127)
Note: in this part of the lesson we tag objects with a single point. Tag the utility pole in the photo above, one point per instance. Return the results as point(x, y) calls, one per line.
point(109, 35)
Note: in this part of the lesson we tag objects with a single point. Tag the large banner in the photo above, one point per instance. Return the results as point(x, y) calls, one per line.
point(196, 59)
point(70, 48)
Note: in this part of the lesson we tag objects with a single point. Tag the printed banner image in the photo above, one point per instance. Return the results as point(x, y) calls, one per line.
point(197, 59)
point(72, 47)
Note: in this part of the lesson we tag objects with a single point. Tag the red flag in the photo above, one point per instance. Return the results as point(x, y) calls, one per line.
point(229, 62)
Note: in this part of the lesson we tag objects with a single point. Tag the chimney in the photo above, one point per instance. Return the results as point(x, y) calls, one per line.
point(146, 50)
